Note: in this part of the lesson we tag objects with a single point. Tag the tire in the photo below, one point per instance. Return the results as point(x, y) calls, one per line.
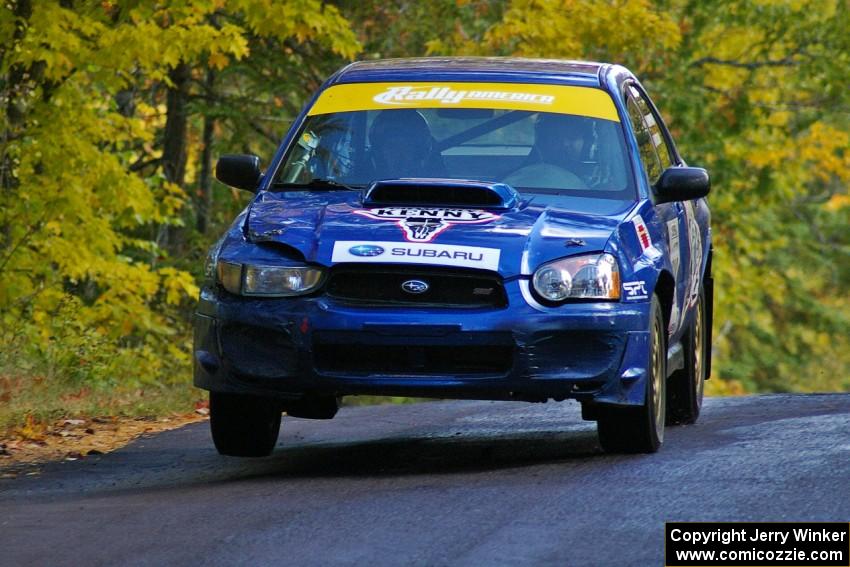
point(641, 429)
point(685, 387)
point(243, 426)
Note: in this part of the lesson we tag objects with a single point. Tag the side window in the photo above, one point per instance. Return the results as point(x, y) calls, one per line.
point(658, 139)
point(648, 154)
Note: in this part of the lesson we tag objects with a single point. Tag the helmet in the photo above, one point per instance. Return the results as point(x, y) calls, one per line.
point(562, 138)
point(400, 126)
point(563, 125)
point(400, 142)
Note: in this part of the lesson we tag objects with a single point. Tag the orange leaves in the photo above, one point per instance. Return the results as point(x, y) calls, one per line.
point(218, 60)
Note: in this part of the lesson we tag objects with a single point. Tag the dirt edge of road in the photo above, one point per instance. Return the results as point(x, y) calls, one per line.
point(28, 448)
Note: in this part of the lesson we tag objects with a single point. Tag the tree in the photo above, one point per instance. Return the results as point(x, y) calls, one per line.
point(755, 92)
point(95, 153)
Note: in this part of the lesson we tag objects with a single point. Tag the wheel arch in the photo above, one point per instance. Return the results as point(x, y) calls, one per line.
point(665, 289)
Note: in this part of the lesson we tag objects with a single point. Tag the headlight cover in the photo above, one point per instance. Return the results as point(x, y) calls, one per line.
point(268, 281)
point(595, 276)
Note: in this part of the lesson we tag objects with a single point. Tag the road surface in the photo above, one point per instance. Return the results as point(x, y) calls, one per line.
point(442, 483)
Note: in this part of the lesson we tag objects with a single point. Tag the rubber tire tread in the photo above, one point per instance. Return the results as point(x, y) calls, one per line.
point(243, 426)
point(683, 405)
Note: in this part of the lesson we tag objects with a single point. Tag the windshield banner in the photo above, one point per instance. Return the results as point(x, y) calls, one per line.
point(562, 99)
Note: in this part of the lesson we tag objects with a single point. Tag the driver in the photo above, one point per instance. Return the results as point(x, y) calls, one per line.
point(556, 159)
point(401, 145)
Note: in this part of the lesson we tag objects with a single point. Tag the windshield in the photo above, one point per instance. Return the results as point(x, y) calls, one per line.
point(533, 151)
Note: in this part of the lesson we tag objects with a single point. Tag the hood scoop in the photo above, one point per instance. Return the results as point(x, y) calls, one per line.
point(448, 193)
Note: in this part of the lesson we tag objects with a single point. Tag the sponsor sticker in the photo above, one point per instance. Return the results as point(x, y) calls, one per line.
point(635, 290)
point(416, 253)
point(404, 95)
point(695, 252)
point(642, 233)
point(366, 250)
point(534, 97)
point(674, 247)
point(424, 224)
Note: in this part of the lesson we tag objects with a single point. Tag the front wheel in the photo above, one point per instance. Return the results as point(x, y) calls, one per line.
point(641, 429)
point(243, 426)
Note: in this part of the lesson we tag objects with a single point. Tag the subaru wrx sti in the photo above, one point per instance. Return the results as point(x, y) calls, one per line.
point(478, 228)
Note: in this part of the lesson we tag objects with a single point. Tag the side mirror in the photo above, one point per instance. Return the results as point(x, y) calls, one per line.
point(240, 171)
point(682, 184)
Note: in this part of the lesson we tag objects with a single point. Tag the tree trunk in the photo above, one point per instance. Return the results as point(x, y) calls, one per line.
point(174, 141)
point(205, 202)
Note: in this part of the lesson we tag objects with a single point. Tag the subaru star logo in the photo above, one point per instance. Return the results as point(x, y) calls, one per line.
point(415, 286)
point(366, 250)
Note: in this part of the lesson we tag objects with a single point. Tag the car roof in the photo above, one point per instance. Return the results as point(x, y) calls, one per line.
point(484, 69)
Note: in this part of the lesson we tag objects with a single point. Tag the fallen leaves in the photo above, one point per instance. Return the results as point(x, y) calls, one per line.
point(202, 407)
point(34, 443)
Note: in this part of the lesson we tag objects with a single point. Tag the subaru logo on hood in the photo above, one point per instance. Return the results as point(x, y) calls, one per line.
point(366, 250)
point(415, 286)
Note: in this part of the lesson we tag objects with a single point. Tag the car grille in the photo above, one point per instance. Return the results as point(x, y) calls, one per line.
point(373, 353)
point(449, 287)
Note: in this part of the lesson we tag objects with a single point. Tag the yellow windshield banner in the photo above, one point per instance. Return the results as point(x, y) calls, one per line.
point(562, 99)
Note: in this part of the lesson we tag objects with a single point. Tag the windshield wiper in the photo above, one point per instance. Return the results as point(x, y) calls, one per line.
point(319, 184)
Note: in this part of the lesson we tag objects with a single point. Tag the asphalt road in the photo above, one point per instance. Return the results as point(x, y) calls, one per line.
point(444, 483)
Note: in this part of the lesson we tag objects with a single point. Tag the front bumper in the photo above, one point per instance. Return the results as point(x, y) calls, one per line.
point(302, 347)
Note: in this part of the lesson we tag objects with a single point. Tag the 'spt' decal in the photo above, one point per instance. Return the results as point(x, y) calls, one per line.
point(635, 290)
point(424, 224)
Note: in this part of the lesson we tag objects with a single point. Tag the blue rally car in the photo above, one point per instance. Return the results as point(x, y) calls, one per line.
point(481, 228)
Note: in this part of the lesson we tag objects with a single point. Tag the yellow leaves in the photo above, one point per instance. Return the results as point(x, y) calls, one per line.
point(53, 228)
point(576, 29)
point(302, 20)
point(763, 147)
point(178, 285)
point(779, 118)
point(86, 233)
point(828, 150)
point(798, 162)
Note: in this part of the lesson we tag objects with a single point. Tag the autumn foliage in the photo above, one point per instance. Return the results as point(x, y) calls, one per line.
point(112, 113)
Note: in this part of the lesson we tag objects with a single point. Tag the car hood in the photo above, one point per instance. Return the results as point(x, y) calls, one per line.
point(333, 227)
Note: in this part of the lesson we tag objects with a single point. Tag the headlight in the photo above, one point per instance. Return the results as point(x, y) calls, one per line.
point(270, 281)
point(580, 277)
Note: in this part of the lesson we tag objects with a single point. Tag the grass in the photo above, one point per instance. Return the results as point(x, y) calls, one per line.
point(31, 400)
point(28, 401)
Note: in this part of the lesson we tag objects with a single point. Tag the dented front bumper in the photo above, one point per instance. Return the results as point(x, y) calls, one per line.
point(303, 347)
